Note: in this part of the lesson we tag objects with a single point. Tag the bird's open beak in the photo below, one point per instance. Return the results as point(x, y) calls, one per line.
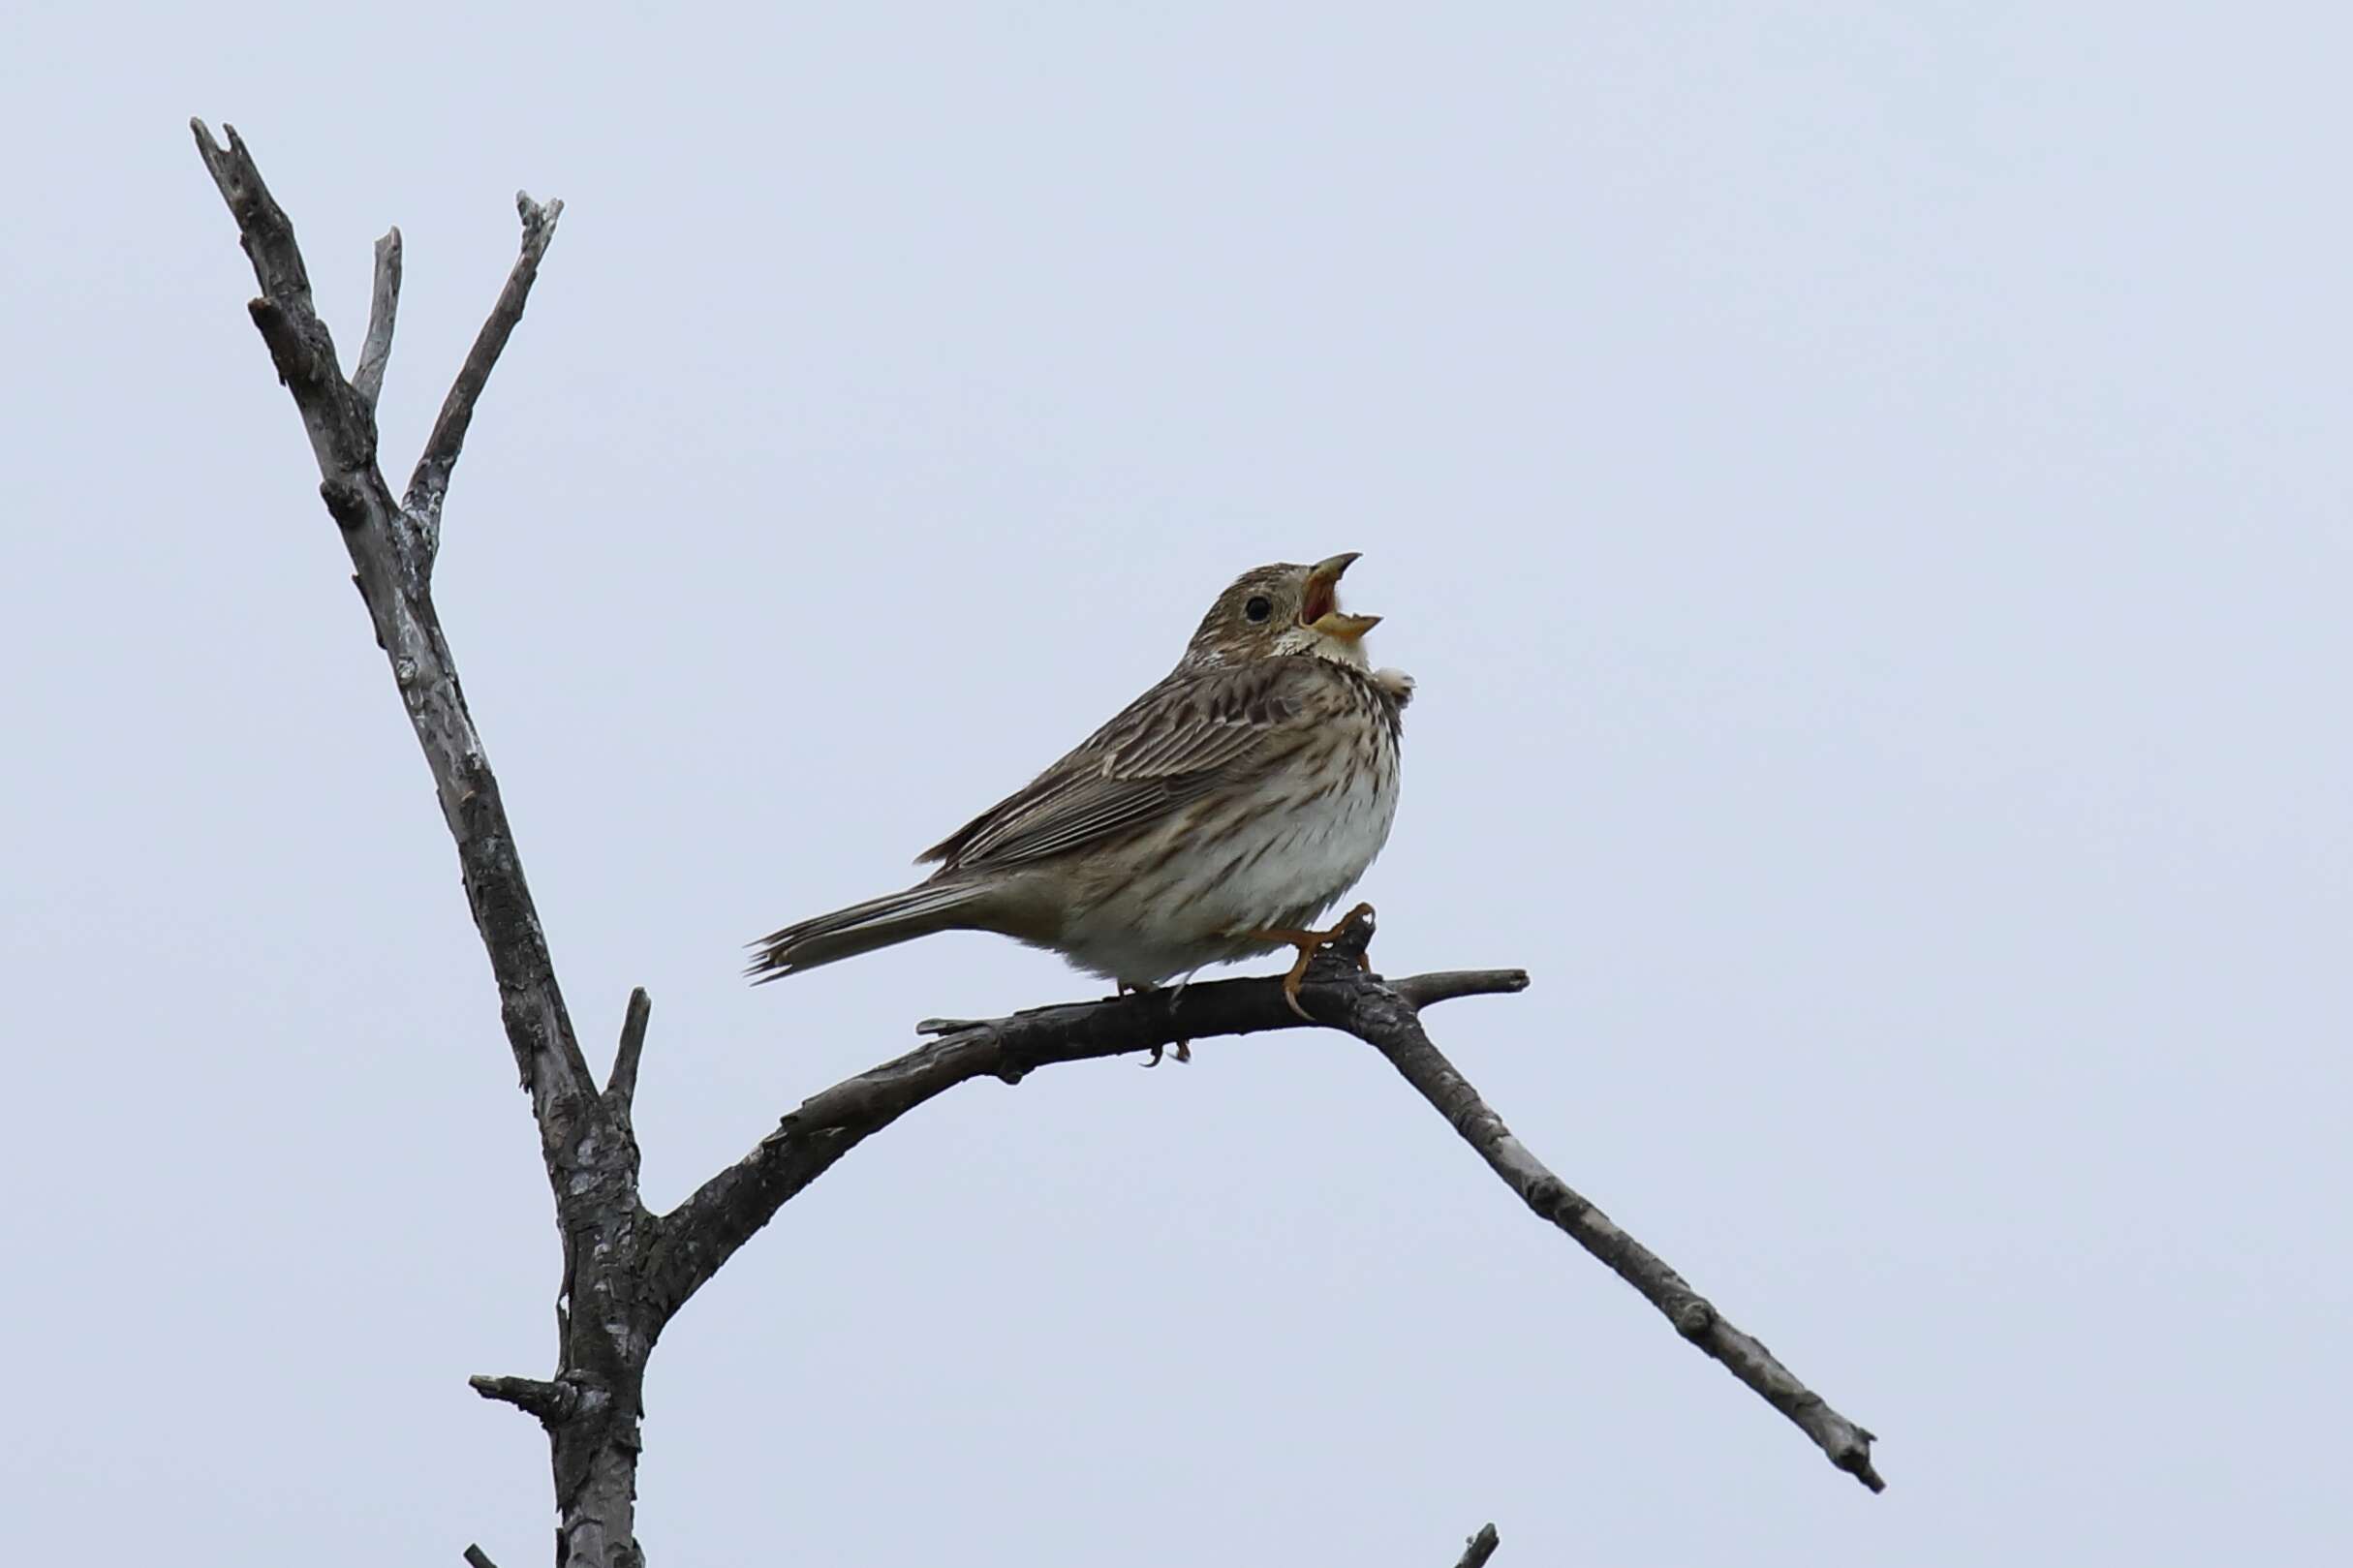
point(1321, 610)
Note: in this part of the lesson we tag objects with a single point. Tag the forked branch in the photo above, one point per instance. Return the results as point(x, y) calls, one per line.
point(591, 1411)
point(391, 555)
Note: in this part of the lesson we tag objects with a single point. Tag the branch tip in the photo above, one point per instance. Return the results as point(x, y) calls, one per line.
point(622, 1086)
point(1447, 985)
point(383, 304)
point(1479, 1548)
point(1855, 1460)
point(551, 1402)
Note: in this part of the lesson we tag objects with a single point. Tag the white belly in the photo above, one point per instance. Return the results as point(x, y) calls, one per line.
point(1275, 871)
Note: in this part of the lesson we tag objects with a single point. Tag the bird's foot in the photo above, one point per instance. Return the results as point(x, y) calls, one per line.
point(1182, 1050)
point(1310, 943)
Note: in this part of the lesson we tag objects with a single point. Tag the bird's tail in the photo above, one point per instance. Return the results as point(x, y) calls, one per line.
point(895, 917)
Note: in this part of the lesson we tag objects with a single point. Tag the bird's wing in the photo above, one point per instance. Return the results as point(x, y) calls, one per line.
point(1186, 736)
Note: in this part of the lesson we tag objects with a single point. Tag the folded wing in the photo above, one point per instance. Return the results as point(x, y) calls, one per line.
point(1195, 731)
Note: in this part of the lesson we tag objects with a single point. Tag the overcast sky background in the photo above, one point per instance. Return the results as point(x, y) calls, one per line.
point(1863, 489)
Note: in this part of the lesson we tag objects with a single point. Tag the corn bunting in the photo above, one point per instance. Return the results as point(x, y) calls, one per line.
point(1214, 819)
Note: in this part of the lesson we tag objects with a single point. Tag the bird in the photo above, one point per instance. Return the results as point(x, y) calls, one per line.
point(1211, 819)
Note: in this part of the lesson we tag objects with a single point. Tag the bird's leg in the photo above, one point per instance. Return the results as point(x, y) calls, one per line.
point(1310, 943)
point(1182, 1048)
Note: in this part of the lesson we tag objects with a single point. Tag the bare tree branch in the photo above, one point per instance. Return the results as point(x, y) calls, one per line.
point(589, 1152)
point(726, 1212)
point(394, 572)
point(382, 306)
point(431, 481)
point(704, 1231)
point(263, 230)
point(1481, 1547)
point(1390, 1025)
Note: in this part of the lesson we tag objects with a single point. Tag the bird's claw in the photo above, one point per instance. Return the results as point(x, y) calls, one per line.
point(1310, 943)
point(1290, 984)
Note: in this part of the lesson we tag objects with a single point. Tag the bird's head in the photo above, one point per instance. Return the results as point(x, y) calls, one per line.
point(1281, 609)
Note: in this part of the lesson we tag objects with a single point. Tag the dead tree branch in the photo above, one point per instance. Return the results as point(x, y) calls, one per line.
point(1390, 1025)
point(626, 1272)
point(584, 1139)
point(430, 483)
point(704, 1231)
point(383, 304)
point(726, 1212)
point(1480, 1548)
point(623, 1084)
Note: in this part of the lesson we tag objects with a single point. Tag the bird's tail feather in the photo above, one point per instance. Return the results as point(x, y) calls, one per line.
point(895, 917)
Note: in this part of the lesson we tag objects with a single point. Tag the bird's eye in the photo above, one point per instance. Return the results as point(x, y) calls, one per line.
point(1260, 607)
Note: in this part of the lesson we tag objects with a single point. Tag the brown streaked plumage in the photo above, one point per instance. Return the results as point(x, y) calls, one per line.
point(1214, 817)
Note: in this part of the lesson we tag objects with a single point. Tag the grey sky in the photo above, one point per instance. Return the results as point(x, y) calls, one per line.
point(1863, 490)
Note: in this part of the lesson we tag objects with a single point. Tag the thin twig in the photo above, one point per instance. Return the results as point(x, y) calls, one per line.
point(1446, 985)
point(622, 1086)
point(430, 481)
point(1481, 1547)
point(383, 304)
